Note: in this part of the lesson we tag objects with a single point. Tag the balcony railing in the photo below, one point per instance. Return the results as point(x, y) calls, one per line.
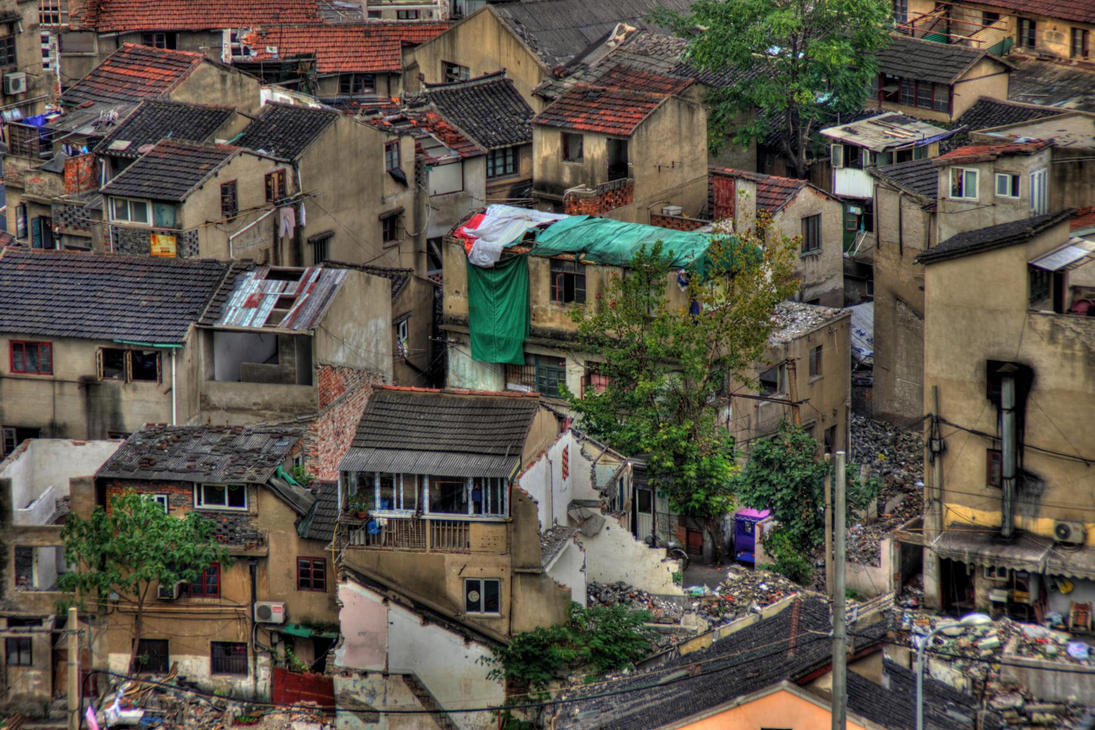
point(408, 533)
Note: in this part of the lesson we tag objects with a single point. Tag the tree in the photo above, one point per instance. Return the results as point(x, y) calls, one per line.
point(796, 62)
point(667, 366)
point(132, 547)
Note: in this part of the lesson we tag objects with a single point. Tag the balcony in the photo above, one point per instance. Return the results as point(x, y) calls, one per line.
point(406, 533)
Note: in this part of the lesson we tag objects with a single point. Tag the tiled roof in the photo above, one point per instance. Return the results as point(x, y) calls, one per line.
point(447, 134)
point(369, 47)
point(558, 30)
point(987, 112)
point(319, 523)
point(119, 16)
point(132, 73)
point(773, 191)
point(170, 170)
point(157, 119)
point(488, 109)
point(919, 177)
point(993, 237)
point(912, 58)
point(1076, 11)
point(986, 152)
point(103, 296)
point(617, 103)
point(1051, 84)
point(284, 130)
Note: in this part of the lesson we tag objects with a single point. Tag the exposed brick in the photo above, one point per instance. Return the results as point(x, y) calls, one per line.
point(605, 198)
point(343, 393)
point(677, 222)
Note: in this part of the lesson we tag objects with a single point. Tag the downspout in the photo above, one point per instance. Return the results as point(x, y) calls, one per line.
point(252, 566)
point(1008, 449)
point(174, 399)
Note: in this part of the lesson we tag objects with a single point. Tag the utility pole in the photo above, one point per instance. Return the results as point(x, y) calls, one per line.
point(828, 526)
point(74, 703)
point(933, 505)
point(792, 390)
point(840, 630)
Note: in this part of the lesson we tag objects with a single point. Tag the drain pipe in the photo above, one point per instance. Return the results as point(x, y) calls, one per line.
point(1008, 449)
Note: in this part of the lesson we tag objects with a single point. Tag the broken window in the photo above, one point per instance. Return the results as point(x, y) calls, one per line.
point(451, 72)
point(1039, 282)
point(350, 84)
point(482, 595)
point(35, 358)
point(37, 568)
point(568, 282)
point(128, 365)
point(152, 655)
point(572, 147)
point(773, 381)
point(220, 496)
point(815, 361)
point(276, 186)
point(18, 652)
point(227, 657)
point(111, 364)
point(230, 206)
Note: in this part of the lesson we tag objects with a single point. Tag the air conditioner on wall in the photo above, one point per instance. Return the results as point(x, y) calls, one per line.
point(15, 83)
point(168, 592)
point(269, 612)
point(1071, 533)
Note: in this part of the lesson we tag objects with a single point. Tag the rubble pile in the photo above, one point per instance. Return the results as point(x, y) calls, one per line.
point(662, 610)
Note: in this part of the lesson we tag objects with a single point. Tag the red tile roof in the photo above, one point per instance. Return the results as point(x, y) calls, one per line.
point(1078, 11)
point(372, 47)
point(773, 191)
point(132, 73)
point(449, 135)
point(1082, 218)
point(616, 103)
point(985, 152)
point(113, 16)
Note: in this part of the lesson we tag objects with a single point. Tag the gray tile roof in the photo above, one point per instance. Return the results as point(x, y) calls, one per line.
point(319, 523)
point(558, 30)
point(170, 170)
point(1052, 84)
point(912, 58)
point(285, 131)
point(919, 177)
point(104, 296)
point(987, 112)
point(488, 109)
point(993, 237)
point(132, 73)
point(157, 119)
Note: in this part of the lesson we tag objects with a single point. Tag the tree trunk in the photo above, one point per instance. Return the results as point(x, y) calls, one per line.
point(138, 625)
point(712, 540)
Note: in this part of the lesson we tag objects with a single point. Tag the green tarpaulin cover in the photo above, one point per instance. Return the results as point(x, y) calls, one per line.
point(498, 315)
point(614, 243)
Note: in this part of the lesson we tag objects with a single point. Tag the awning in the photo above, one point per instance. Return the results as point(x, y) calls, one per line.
point(304, 632)
point(1078, 563)
point(977, 546)
point(1075, 253)
point(409, 461)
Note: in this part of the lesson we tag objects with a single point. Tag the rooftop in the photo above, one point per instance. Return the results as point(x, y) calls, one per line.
point(119, 16)
point(157, 119)
point(1070, 130)
point(794, 319)
point(132, 73)
point(366, 47)
point(887, 131)
point(941, 63)
point(285, 131)
point(319, 523)
point(1077, 11)
point(919, 177)
point(987, 112)
point(986, 152)
point(282, 298)
point(488, 109)
point(49, 293)
point(773, 191)
point(1051, 84)
point(170, 170)
point(993, 237)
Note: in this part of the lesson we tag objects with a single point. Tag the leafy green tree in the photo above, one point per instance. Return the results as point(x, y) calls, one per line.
point(131, 548)
point(668, 365)
point(793, 61)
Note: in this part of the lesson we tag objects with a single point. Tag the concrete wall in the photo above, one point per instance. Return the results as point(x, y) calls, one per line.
point(958, 215)
point(448, 209)
point(505, 189)
point(568, 569)
point(41, 467)
point(782, 708)
point(1048, 681)
point(873, 580)
point(987, 77)
point(821, 272)
point(214, 83)
point(357, 329)
point(614, 554)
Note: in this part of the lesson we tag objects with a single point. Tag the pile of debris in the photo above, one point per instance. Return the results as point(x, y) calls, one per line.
point(662, 609)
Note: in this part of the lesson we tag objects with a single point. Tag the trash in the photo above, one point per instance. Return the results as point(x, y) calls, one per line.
point(1079, 650)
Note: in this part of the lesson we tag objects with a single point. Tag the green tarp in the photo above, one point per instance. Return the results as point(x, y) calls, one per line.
point(498, 314)
point(613, 243)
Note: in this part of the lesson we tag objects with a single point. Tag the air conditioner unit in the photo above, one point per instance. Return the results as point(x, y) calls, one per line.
point(15, 83)
point(168, 592)
point(269, 612)
point(1071, 533)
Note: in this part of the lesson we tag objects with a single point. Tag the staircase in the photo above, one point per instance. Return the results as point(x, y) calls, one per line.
point(428, 701)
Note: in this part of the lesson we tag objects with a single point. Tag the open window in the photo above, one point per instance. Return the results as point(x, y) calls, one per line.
point(773, 381)
point(113, 363)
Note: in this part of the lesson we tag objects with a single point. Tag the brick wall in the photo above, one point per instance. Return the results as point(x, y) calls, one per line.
point(81, 174)
point(343, 393)
point(677, 222)
point(604, 199)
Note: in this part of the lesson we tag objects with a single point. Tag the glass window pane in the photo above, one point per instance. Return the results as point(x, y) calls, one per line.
point(387, 492)
point(138, 210)
point(473, 596)
point(490, 596)
point(18, 361)
point(213, 495)
point(237, 495)
point(410, 492)
point(120, 209)
point(449, 495)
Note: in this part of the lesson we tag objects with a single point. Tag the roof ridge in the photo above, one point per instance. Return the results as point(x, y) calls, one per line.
point(458, 391)
point(463, 83)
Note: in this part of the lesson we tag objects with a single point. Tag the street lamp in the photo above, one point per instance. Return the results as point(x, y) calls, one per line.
point(970, 620)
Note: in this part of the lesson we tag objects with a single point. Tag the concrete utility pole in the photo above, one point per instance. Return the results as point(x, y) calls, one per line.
point(840, 630)
point(828, 527)
point(72, 630)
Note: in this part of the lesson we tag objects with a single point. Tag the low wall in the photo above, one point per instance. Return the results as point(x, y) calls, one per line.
point(614, 555)
point(1049, 681)
point(872, 580)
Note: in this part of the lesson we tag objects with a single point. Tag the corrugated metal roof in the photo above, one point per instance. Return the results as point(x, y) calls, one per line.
point(1075, 253)
point(293, 299)
point(407, 461)
point(986, 547)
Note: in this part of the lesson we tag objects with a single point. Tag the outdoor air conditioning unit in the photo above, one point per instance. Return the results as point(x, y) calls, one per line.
point(15, 83)
point(169, 592)
point(269, 612)
point(1071, 533)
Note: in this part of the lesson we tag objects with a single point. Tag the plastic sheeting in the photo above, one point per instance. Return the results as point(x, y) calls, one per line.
point(498, 314)
point(612, 242)
point(863, 332)
point(486, 234)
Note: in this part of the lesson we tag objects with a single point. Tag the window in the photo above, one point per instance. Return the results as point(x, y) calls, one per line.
point(134, 211)
point(17, 650)
point(993, 469)
point(7, 50)
point(989, 18)
point(391, 156)
point(481, 595)
point(220, 496)
point(773, 381)
point(113, 363)
point(594, 381)
point(311, 574)
point(152, 656)
point(1007, 185)
point(321, 246)
point(963, 183)
point(276, 188)
point(406, 15)
point(908, 92)
point(485, 496)
point(160, 40)
point(900, 11)
point(389, 228)
point(454, 72)
point(160, 499)
point(356, 83)
point(388, 492)
point(543, 374)
point(52, 12)
point(1038, 285)
point(1027, 33)
point(207, 584)
point(815, 361)
point(941, 98)
point(830, 439)
point(227, 657)
point(41, 232)
point(568, 282)
point(1039, 194)
point(811, 233)
point(572, 147)
point(230, 205)
point(402, 329)
point(35, 358)
point(21, 221)
point(1079, 46)
point(502, 162)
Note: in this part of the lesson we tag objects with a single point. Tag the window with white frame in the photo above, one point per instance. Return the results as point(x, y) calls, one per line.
point(220, 496)
point(133, 211)
point(160, 499)
point(407, 493)
point(482, 595)
point(1039, 193)
point(1007, 185)
point(963, 183)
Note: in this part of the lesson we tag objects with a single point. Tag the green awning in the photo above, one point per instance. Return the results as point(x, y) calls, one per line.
point(304, 632)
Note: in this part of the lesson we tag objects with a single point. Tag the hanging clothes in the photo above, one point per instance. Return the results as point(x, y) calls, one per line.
point(303, 216)
point(288, 221)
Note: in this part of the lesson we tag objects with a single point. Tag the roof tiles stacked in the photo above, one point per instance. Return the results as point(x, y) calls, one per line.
point(170, 170)
point(132, 73)
point(912, 58)
point(369, 47)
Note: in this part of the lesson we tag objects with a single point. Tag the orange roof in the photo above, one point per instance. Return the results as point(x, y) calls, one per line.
point(369, 47)
point(114, 16)
point(132, 73)
point(985, 152)
point(1083, 218)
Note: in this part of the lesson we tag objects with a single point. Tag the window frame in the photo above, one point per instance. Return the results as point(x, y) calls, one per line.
point(159, 668)
point(1013, 185)
point(454, 72)
point(811, 224)
point(962, 173)
point(568, 154)
point(780, 369)
point(1084, 38)
point(507, 167)
point(40, 347)
point(230, 200)
point(994, 468)
point(8, 54)
point(129, 204)
point(389, 228)
point(200, 500)
point(561, 273)
point(312, 566)
point(127, 365)
point(392, 158)
point(816, 357)
point(22, 647)
point(232, 659)
point(1028, 31)
point(355, 84)
point(478, 585)
point(277, 185)
point(199, 587)
point(407, 15)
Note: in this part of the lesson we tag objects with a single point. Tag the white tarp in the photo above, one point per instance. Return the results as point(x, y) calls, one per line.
point(863, 332)
point(501, 225)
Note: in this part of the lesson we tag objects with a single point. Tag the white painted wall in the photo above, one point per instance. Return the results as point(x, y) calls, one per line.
point(232, 348)
point(569, 569)
point(613, 554)
point(40, 465)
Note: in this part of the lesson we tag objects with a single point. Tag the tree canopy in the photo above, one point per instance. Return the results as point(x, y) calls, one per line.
point(788, 65)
